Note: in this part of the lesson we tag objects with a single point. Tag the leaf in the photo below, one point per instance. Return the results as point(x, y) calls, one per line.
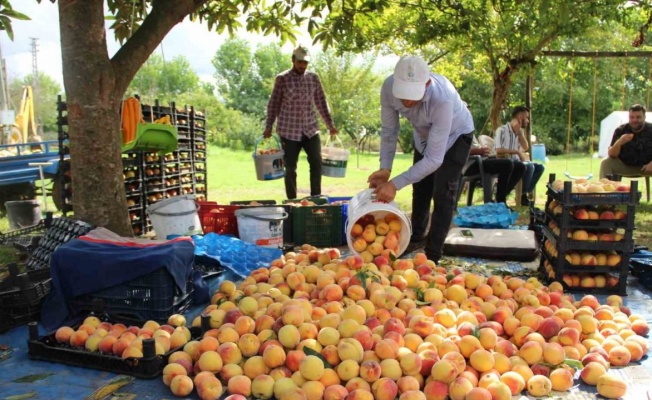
point(392, 257)
point(15, 14)
point(421, 303)
point(475, 332)
point(33, 378)
point(310, 352)
point(573, 363)
point(110, 387)
point(22, 396)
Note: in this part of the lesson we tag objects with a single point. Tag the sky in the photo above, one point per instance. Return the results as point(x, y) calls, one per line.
point(44, 26)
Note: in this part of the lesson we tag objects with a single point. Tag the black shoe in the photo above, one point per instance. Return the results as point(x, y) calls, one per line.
point(524, 200)
point(413, 246)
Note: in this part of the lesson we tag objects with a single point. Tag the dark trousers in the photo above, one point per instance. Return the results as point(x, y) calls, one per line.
point(509, 173)
point(440, 186)
point(292, 148)
point(533, 172)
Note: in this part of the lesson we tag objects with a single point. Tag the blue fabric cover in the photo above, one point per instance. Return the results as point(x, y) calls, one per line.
point(85, 266)
point(487, 216)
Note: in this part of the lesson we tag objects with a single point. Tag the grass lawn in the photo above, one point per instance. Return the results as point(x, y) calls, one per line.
point(232, 176)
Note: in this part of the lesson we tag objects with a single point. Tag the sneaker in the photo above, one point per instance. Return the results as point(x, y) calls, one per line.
point(416, 245)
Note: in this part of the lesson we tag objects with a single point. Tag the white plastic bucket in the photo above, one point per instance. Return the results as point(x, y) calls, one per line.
point(175, 216)
point(269, 166)
point(262, 226)
point(365, 203)
point(334, 159)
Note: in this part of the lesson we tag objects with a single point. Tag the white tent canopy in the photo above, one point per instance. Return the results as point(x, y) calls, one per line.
point(609, 125)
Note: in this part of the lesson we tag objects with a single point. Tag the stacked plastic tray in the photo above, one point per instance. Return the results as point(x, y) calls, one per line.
point(198, 142)
point(587, 238)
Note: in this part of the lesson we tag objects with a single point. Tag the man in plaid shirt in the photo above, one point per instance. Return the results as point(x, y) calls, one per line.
point(291, 104)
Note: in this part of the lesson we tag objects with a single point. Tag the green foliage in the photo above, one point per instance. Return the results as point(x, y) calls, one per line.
point(45, 94)
point(163, 80)
point(245, 79)
point(7, 13)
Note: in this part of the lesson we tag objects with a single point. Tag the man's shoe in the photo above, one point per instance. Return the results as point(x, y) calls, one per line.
point(413, 246)
point(525, 201)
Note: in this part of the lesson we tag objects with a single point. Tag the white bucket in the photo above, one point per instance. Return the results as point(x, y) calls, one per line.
point(365, 203)
point(175, 216)
point(334, 160)
point(262, 226)
point(269, 166)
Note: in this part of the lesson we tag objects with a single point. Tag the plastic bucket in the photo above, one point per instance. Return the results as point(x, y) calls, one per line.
point(269, 162)
point(262, 226)
point(539, 152)
point(23, 213)
point(175, 216)
point(334, 160)
point(365, 203)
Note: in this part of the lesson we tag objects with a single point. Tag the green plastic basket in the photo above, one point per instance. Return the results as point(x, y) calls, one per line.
point(317, 225)
point(158, 138)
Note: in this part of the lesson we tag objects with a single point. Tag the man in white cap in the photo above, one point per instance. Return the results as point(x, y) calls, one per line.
point(291, 104)
point(443, 133)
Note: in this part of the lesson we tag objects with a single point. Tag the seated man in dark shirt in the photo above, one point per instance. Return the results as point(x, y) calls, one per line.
point(630, 153)
point(509, 173)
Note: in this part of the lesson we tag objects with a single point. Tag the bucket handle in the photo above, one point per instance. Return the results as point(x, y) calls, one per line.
point(259, 218)
point(173, 214)
point(260, 139)
point(331, 143)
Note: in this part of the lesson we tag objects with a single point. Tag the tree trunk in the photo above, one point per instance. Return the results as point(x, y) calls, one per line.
point(500, 93)
point(93, 117)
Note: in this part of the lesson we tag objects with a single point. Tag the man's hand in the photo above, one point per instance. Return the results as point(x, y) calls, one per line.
point(333, 131)
point(523, 156)
point(480, 151)
point(378, 178)
point(626, 138)
point(647, 167)
point(386, 192)
point(267, 133)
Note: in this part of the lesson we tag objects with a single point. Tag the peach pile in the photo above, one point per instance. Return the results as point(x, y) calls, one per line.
point(583, 280)
point(372, 237)
point(584, 186)
point(586, 258)
point(315, 326)
point(589, 213)
point(605, 235)
point(122, 341)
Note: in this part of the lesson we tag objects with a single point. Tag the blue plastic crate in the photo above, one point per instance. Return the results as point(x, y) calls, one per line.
point(345, 213)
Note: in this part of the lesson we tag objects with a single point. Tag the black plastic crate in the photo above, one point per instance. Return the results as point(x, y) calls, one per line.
point(209, 267)
point(153, 296)
point(566, 197)
point(46, 348)
point(24, 295)
point(62, 230)
point(26, 235)
point(13, 317)
point(624, 245)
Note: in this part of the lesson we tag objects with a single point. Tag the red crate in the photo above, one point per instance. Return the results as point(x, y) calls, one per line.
point(217, 218)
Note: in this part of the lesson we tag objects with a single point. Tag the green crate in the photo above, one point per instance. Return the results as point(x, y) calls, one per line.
point(317, 225)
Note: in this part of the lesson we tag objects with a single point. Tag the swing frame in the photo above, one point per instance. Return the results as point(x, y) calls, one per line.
point(595, 55)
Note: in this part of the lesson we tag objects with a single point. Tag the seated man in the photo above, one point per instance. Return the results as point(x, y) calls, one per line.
point(510, 142)
point(630, 153)
point(509, 173)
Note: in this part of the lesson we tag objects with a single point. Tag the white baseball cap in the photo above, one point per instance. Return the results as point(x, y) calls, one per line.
point(301, 53)
point(410, 76)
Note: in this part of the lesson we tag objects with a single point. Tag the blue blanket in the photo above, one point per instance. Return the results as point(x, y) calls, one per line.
point(85, 265)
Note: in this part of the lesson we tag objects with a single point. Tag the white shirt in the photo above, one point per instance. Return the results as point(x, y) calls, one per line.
point(438, 120)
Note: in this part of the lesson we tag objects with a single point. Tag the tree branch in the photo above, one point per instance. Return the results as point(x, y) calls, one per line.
point(165, 14)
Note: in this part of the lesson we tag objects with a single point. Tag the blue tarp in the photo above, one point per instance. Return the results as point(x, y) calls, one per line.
point(85, 266)
point(487, 216)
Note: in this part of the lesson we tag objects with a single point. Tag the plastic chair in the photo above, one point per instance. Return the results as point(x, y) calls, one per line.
point(481, 179)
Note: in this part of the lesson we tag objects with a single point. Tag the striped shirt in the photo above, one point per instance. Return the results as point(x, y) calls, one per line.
point(291, 105)
point(506, 138)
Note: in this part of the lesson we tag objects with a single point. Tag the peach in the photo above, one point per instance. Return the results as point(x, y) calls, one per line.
point(611, 387)
point(458, 389)
point(106, 344)
point(311, 368)
point(407, 383)
point(499, 391)
point(239, 384)
point(230, 353)
point(335, 392)
point(553, 353)
point(619, 356)
point(370, 371)
point(181, 385)
point(482, 360)
point(412, 395)
point(209, 388)
point(514, 382)
point(592, 372)
point(568, 336)
point(444, 371)
point(93, 342)
point(410, 364)
point(274, 356)
point(172, 370)
point(436, 390)
point(255, 366)
point(63, 334)
point(478, 393)
point(539, 386)
point(262, 387)
point(210, 361)
point(78, 338)
point(549, 327)
point(384, 389)
point(561, 379)
point(249, 344)
point(531, 352)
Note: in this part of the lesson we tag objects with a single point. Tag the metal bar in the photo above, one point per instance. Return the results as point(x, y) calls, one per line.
point(596, 54)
